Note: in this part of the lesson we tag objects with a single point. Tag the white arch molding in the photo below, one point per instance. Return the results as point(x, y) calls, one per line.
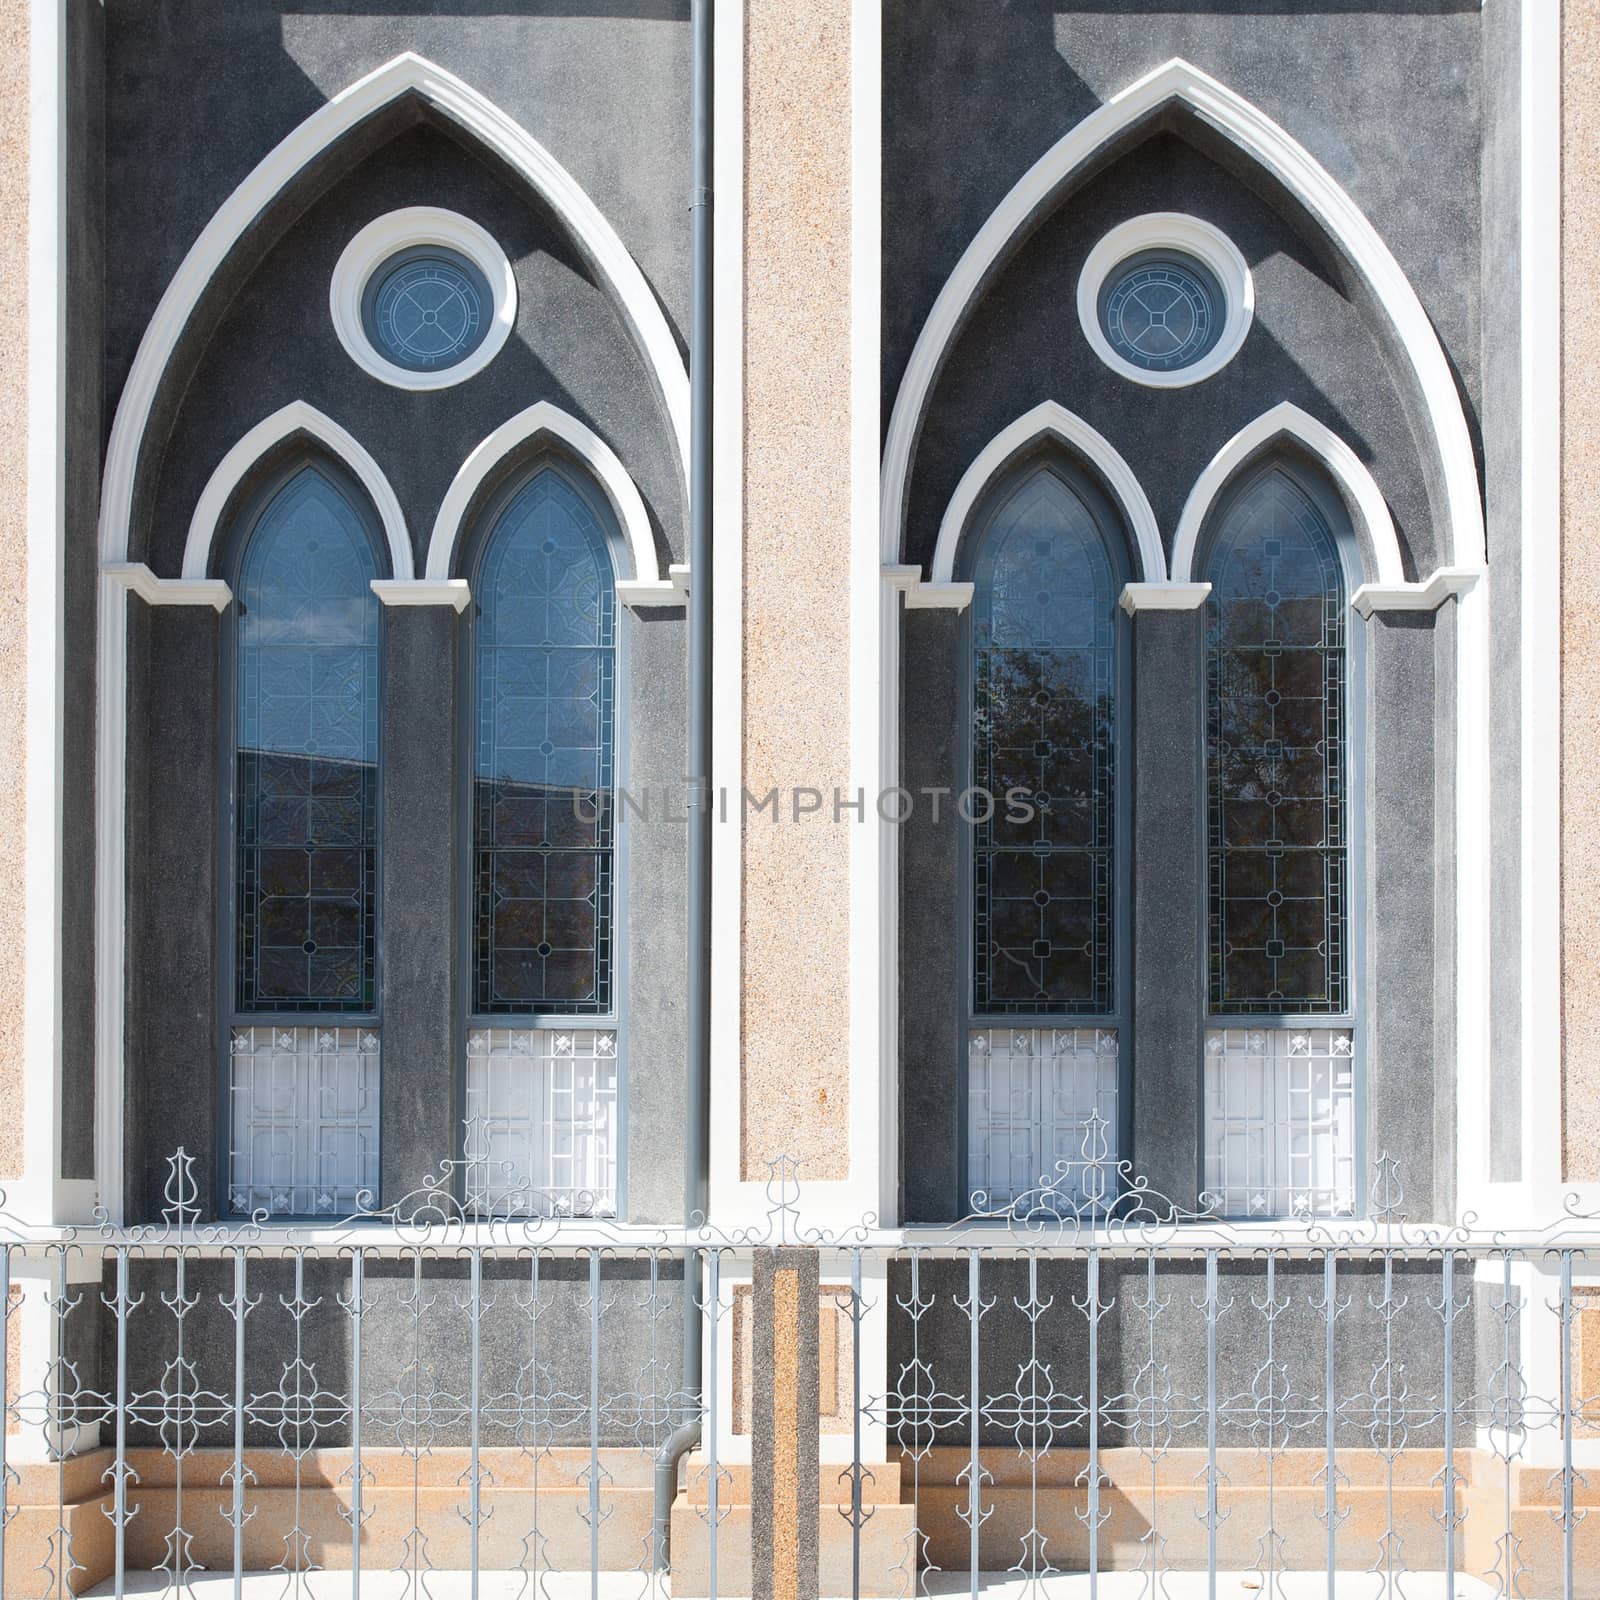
point(281, 167)
point(295, 418)
point(616, 271)
point(1361, 492)
point(645, 587)
point(1047, 420)
point(1255, 133)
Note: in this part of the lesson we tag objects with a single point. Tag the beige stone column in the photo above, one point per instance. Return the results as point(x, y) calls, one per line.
point(1580, 591)
point(795, 934)
point(14, 157)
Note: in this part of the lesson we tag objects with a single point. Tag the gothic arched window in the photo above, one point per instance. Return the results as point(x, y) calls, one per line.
point(1048, 675)
point(542, 1094)
point(1280, 1090)
point(304, 775)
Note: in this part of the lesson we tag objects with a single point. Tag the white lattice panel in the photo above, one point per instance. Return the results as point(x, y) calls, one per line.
point(1280, 1121)
point(1041, 1116)
point(542, 1122)
point(303, 1115)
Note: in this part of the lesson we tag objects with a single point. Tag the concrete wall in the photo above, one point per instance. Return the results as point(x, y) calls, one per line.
point(14, 146)
point(1580, 595)
point(795, 939)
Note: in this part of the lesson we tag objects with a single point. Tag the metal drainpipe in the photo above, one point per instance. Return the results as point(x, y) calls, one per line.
point(697, 1077)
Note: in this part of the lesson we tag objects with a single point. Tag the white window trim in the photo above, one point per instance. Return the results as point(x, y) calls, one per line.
point(407, 229)
point(646, 586)
point(1182, 234)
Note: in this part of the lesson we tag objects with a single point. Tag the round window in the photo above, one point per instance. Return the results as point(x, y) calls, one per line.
point(426, 308)
point(1165, 299)
point(1162, 311)
point(423, 298)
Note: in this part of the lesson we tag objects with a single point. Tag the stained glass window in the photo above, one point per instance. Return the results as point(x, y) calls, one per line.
point(306, 752)
point(1276, 757)
point(427, 308)
point(1162, 311)
point(1044, 720)
point(542, 791)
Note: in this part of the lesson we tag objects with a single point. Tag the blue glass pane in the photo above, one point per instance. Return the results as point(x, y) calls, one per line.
point(1162, 312)
point(1277, 764)
point(306, 754)
point(427, 308)
point(1044, 720)
point(542, 795)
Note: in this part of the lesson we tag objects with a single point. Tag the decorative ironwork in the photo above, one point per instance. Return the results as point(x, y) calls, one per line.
point(1277, 763)
point(1045, 722)
point(1095, 1381)
point(306, 754)
point(543, 785)
point(303, 1118)
point(1280, 1106)
point(542, 1122)
point(1031, 1096)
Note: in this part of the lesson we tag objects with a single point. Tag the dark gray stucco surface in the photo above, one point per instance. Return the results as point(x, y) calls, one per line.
point(932, 974)
point(1502, 464)
point(173, 1046)
point(1168, 905)
point(85, 270)
point(655, 1042)
point(1143, 1348)
point(973, 97)
point(606, 91)
point(1401, 947)
point(421, 1115)
point(416, 1339)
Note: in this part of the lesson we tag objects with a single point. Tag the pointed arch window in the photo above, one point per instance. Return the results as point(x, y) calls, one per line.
point(303, 771)
point(1281, 1069)
point(1048, 956)
point(542, 1059)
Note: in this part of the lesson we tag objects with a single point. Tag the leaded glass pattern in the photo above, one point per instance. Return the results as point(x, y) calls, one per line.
point(1162, 312)
point(303, 1120)
point(1041, 1116)
point(306, 754)
point(428, 309)
point(1044, 720)
point(1277, 762)
point(541, 1137)
point(1280, 1108)
point(543, 790)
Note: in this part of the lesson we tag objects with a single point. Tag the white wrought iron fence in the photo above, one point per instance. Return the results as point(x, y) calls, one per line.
point(1099, 1396)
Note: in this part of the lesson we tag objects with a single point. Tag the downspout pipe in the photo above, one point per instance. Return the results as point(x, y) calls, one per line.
point(697, 1076)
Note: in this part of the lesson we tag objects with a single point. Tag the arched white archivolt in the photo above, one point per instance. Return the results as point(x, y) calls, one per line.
point(278, 170)
point(295, 418)
point(584, 443)
point(1293, 166)
point(1361, 492)
point(1049, 420)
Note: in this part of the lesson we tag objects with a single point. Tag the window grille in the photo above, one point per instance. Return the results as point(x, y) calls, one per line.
point(1280, 1122)
point(1041, 1118)
point(541, 1122)
point(303, 1118)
